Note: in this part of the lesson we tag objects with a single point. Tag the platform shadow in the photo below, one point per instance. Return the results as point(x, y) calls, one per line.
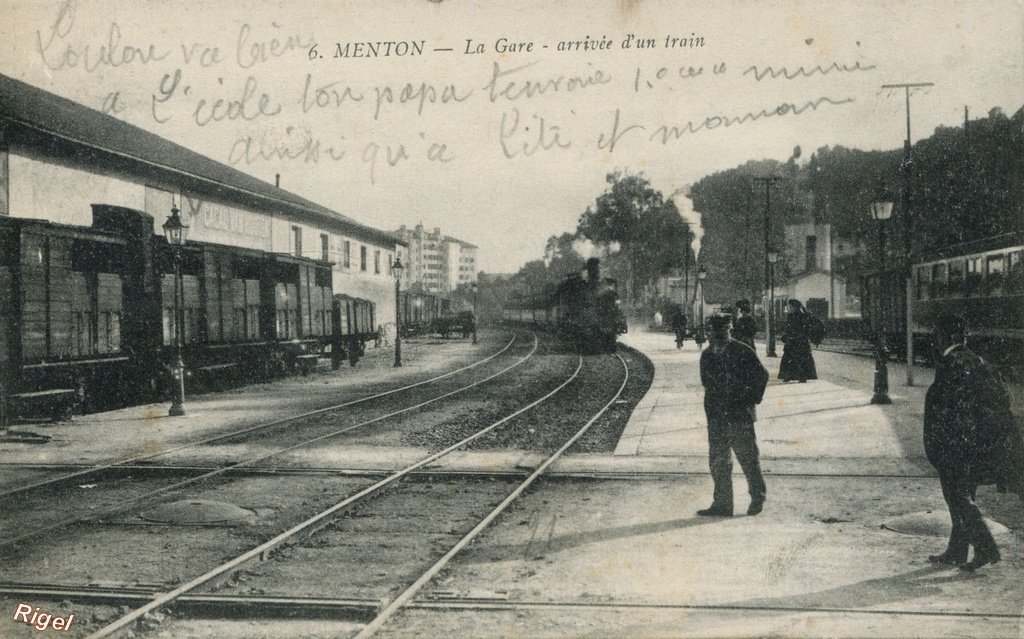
point(867, 594)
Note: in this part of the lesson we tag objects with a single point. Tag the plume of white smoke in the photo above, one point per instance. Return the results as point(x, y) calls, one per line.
point(682, 199)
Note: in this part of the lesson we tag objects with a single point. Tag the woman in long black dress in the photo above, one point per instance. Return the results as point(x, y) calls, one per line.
point(797, 363)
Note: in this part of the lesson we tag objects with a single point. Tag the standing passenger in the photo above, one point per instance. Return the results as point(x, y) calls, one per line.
point(971, 439)
point(734, 381)
point(746, 325)
point(797, 363)
point(679, 325)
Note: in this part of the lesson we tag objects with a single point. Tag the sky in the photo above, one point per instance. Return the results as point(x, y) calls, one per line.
point(498, 122)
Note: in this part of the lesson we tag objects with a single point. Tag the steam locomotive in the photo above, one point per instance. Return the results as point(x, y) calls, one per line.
point(584, 309)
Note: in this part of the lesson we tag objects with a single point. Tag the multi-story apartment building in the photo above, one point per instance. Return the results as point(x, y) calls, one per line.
point(439, 263)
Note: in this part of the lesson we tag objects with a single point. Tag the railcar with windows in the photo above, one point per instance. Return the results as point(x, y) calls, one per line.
point(982, 281)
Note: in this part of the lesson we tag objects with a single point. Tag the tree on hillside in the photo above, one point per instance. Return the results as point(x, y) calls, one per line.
point(650, 232)
point(732, 204)
point(967, 183)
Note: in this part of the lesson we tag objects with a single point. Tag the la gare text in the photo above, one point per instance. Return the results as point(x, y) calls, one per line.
point(412, 48)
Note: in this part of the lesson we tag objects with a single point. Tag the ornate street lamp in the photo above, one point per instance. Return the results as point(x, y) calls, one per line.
point(474, 287)
point(176, 231)
point(701, 274)
point(881, 211)
point(773, 257)
point(396, 268)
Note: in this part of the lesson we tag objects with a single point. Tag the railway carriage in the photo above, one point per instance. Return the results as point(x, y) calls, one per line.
point(419, 309)
point(982, 281)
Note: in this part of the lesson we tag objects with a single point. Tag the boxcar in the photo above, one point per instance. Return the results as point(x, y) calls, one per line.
point(87, 314)
point(62, 305)
point(355, 323)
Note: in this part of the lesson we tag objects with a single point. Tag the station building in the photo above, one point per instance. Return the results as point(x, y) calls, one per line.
point(58, 157)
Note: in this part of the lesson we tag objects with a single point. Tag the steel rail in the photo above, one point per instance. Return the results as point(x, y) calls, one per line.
point(132, 503)
point(481, 604)
point(264, 606)
point(271, 606)
point(277, 422)
point(582, 473)
point(431, 572)
point(164, 599)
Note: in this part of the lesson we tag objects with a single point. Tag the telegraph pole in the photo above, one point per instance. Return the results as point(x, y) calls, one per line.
point(770, 315)
point(905, 169)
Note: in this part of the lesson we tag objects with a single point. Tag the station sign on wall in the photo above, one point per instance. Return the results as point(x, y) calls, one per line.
point(214, 222)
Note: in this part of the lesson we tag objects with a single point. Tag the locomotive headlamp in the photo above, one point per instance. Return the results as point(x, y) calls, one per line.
point(174, 229)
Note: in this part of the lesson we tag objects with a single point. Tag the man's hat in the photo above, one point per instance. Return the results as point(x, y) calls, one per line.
point(719, 319)
point(743, 305)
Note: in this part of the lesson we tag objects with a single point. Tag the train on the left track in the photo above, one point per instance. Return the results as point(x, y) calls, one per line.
point(584, 309)
point(87, 314)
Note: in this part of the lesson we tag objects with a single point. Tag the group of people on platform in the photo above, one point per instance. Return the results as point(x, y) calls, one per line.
point(970, 434)
point(800, 331)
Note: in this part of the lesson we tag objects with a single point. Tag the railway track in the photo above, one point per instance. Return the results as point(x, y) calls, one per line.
point(85, 472)
point(369, 494)
point(122, 505)
point(373, 492)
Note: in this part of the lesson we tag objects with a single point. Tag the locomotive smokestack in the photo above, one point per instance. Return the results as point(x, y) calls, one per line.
point(277, 180)
point(593, 270)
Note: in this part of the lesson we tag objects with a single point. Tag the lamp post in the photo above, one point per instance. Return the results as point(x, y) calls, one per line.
point(175, 231)
point(906, 169)
point(686, 263)
point(474, 287)
point(773, 257)
point(881, 211)
point(769, 324)
point(396, 268)
point(701, 274)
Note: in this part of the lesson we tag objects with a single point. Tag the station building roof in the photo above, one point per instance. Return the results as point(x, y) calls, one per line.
point(55, 126)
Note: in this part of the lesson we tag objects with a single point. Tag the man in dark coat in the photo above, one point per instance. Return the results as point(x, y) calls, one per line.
point(734, 381)
point(679, 325)
point(746, 325)
point(971, 439)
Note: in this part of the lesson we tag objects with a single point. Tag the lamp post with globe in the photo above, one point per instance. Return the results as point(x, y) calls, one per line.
point(176, 231)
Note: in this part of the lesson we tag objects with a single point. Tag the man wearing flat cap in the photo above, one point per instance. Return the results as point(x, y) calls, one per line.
point(734, 382)
point(971, 439)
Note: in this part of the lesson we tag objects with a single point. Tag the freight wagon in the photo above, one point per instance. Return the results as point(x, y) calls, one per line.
point(87, 314)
